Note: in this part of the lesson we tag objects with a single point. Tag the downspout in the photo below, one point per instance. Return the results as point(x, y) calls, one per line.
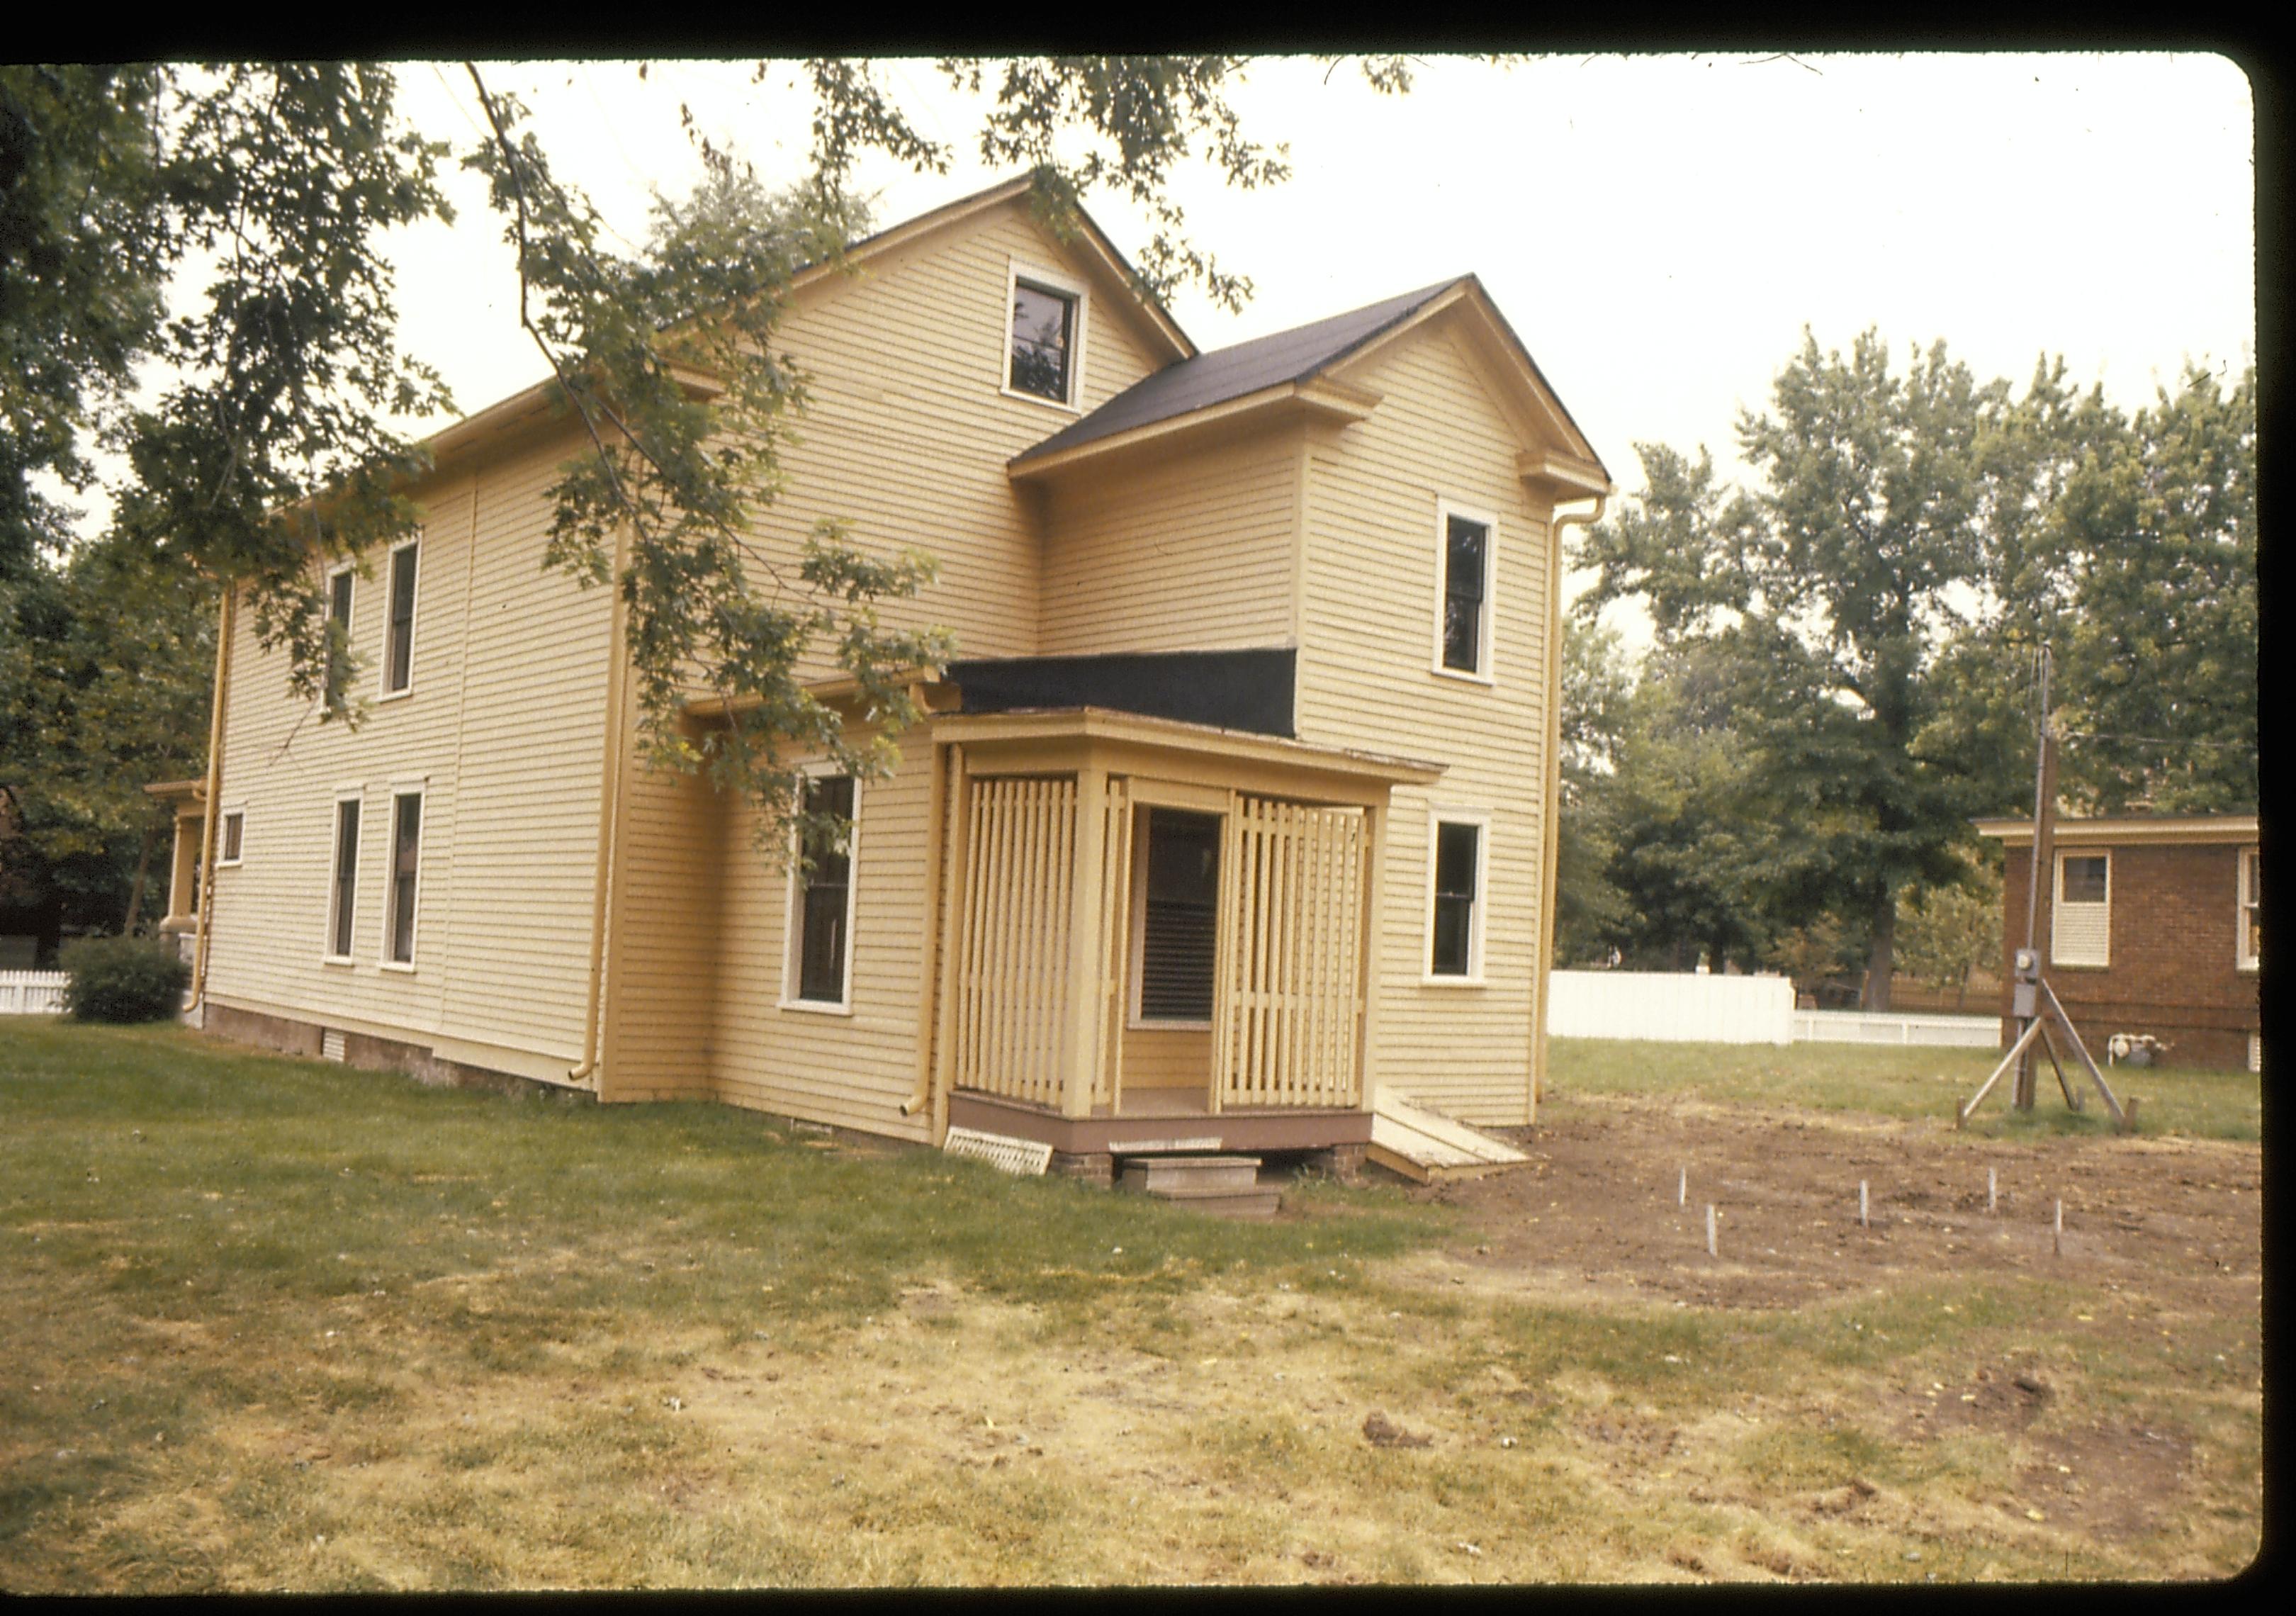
point(610, 799)
point(1551, 840)
point(226, 617)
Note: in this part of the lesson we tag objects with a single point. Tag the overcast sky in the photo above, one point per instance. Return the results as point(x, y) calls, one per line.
point(1658, 229)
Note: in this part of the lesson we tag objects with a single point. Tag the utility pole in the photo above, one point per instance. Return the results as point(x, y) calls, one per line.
point(2044, 824)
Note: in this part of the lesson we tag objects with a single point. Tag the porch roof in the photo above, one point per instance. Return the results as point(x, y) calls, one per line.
point(1085, 724)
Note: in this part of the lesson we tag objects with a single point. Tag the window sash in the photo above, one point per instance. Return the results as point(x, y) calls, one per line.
point(407, 846)
point(825, 896)
point(233, 836)
point(2080, 927)
point(1041, 352)
point(1466, 570)
point(398, 658)
point(1458, 868)
point(2252, 905)
point(339, 614)
point(346, 885)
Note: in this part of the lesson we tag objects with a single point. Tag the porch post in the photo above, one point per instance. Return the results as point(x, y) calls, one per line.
point(1081, 1043)
point(1367, 978)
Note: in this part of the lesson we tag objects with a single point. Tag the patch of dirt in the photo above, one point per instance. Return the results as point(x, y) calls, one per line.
point(1597, 1206)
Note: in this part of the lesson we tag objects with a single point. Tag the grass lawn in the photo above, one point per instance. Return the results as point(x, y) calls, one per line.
point(279, 1324)
point(1891, 1081)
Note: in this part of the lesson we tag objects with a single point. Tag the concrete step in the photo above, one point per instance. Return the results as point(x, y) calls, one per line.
point(1257, 1204)
point(1165, 1175)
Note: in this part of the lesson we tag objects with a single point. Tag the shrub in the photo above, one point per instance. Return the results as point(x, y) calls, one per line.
point(124, 979)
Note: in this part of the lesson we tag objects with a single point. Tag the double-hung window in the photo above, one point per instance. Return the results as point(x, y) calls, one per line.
point(340, 585)
point(2251, 908)
point(821, 898)
point(2081, 921)
point(1466, 541)
point(399, 640)
point(1457, 855)
point(342, 901)
point(405, 856)
point(1044, 350)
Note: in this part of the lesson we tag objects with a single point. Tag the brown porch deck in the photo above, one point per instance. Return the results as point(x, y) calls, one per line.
point(1157, 1121)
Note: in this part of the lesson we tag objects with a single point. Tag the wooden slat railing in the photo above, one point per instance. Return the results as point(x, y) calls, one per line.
point(1289, 987)
point(1012, 968)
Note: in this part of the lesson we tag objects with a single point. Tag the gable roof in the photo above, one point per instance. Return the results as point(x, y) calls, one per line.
point(1232, 372)
point(1302, 361)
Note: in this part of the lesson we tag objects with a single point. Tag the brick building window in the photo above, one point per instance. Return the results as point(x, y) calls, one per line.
point(2252, 908)
point(2080, 921)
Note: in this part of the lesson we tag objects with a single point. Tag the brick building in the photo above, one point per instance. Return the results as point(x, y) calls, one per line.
point(2148, 925)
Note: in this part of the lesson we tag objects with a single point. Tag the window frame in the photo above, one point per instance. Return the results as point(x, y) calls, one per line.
point(224, 818)
point(413, 615)
point(336, 924)
point(2248, 871)
point(1053, 281)
point(400, 790)
point(1133, 1020)
point(2058, 904)
point(348, 570)
point(793, 916)
point(1438, 816)
point(1486, 672)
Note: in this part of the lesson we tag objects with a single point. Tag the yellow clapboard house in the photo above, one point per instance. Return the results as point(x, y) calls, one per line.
point(1237, 806)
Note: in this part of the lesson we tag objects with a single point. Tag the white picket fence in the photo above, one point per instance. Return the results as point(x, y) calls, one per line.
point(1873, 1027)
point(1671, 1006)
point(32, 992)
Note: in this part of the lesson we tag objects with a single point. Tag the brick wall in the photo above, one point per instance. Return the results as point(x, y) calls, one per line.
point(2173, 972)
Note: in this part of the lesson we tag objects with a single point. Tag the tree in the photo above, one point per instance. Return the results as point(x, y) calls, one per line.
point(1951, 932)
point(1597, 686)
point(1890, 510)
point(266, 456)
point(2156, 540)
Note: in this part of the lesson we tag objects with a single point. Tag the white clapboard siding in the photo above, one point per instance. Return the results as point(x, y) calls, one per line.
point(1672, 1008)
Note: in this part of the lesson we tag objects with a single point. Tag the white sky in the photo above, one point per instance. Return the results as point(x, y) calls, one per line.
point(1658, 229)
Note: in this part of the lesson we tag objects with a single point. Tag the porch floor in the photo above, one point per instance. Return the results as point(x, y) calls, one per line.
point(1162, 1120)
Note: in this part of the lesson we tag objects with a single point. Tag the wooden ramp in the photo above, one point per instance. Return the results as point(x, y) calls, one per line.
point(1429, 1146)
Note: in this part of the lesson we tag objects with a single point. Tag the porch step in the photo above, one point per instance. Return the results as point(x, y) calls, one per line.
point(1226, 1186)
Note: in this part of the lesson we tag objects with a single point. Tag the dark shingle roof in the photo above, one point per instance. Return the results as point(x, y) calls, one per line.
point(1233, 373)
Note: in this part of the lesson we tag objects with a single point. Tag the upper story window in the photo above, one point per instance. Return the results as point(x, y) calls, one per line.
point(1463, 568)
point(399, 644)
point(340, 585)
point(1044, 350)
point(821, 901)
point(2252, 908)
point(2081, 921)
point(231, 837)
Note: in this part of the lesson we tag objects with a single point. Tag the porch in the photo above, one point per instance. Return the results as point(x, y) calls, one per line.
point(1155, 936)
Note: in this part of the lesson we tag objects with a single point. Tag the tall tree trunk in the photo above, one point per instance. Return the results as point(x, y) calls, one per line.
point(1882, 961)
point(136, 886)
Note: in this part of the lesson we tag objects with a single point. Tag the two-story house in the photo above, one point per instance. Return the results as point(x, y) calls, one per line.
point(1239, 806)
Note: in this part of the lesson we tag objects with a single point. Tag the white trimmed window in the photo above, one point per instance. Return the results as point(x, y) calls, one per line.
point(398, 638)
point(1043, 335)
point(340, 585)
point(405, 862)
point(1175, 918)
point(342, 888)
point(2250, 946)
point(1466, 545)
point(1458, 860)
point(2081, 921)
point(819, 974)
point(231, 838)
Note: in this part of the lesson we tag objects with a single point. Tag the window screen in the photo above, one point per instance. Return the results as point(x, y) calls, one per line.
point(1458, 850)
point(1180, 918)
point(1465, 561)
point(399, 660)
point(826, 880)
point(1043, 330)
point(2083, 881)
